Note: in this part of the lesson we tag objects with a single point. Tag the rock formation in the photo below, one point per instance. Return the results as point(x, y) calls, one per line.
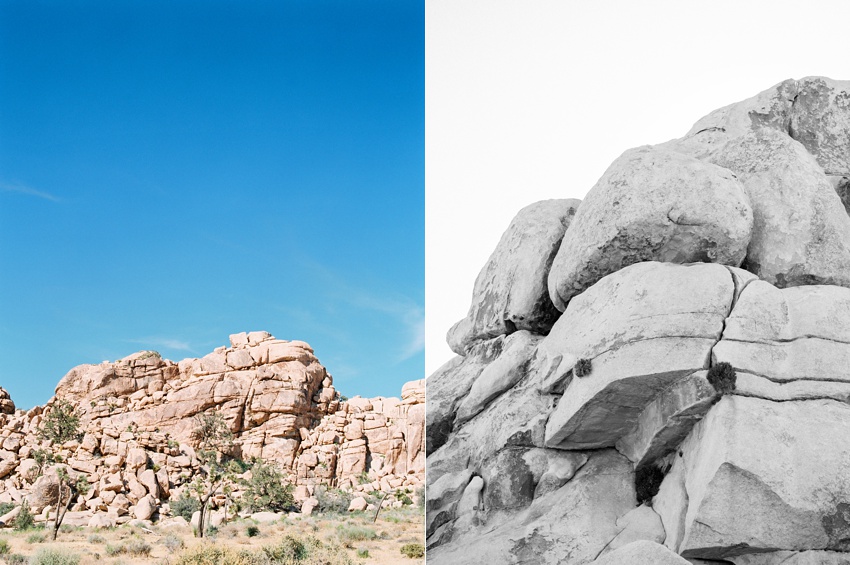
point(688, 399)
point(137, 416)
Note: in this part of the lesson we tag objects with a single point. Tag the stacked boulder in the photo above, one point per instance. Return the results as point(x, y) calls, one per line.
point(688, 399)
point(137, 416)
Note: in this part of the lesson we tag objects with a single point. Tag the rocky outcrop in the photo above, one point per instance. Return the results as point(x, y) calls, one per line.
point(511, 290)
point(652, 205)
point(137, 416)
point(690, 404)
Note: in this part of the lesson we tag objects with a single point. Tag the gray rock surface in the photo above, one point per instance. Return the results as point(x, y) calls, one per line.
point(544, 435)
point(761, 476)
point(641, 553)
point(652, 205)
point(511, 291)
point(637, 348)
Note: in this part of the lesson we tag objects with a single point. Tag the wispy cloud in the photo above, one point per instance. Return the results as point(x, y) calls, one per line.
point(163, 342)
point(409, 313)
point(21, 189)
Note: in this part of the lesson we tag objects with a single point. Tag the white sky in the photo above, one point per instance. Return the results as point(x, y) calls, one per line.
point(527, 100)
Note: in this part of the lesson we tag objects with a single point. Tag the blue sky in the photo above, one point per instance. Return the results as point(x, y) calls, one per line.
point(174, 172)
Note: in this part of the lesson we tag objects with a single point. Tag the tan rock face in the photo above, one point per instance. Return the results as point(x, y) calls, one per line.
point(138, 414)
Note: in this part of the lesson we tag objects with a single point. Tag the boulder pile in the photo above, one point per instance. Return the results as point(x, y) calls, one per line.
point(661, 372)
point(138, 414)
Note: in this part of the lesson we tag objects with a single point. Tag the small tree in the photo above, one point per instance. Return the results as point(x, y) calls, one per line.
point(214, 442)
point(267, 489)
point(61, 424)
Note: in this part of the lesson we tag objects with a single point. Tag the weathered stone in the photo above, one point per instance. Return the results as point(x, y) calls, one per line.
point(571, 525)
point(801, 233)
point(762, 476)
point(652, 205)
point(789, 334)
point(500, 375)
point(449, 386)
point(358, 504)
point(637, 347)
point(511, 291)
point(145, 508)
point(641, 553)
point(667, 420)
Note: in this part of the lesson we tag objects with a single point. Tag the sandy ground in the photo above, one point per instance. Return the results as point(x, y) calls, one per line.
point(383, 539)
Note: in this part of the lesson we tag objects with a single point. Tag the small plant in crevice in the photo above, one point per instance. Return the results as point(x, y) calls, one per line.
point(582, 368)
point(722, 377)
point(647, 482)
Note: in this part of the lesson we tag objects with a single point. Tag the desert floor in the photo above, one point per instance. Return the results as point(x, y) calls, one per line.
point(356, 536)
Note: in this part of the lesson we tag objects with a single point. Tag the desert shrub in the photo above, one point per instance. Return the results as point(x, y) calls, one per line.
point(6, 507)
point(582, 368)
point(252, 531)
point(36, 537)
point(287, 550)
point(363, 553)
point(138, 547)
point(96, 538)
point(647, 482)
point(211, 554)
point(16, 559)
point(172, 543)
point(4, 547)
point(267, 489)
point(413, 550)
point(722, 377)
point(24, 520)
point(185, 506)
point(149, 354)
point(332, 500)
point(54, 556)
point(349, 533)
point(113, 550)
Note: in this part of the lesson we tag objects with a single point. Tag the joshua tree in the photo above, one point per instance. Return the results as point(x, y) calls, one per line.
point(214, 440)
point(61, 424)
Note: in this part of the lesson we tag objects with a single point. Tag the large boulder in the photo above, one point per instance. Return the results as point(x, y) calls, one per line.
point(791, 334)
point(801, 232)
point(756, 476)
point(643, 552)
point(571, 525)
point(511, 290)
point(652, 204)
point(642, 328)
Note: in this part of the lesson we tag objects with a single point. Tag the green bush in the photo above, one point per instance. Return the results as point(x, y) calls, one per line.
point(722, 377)
point(6, 507)
point(413, 550)
point(267, 489)
point(332, 500)
point(288, 549)
point(54, 556)
point(16, 559)
point(24, 520)
point(4, 547)
point(252, 531)
point(36, 537)
point(185, 506)
point(96, 538)
point(363, 553)
point(582, 368)
point(210, 554)
point(351, 533)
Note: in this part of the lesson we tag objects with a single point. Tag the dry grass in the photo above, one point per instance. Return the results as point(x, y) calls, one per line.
point(352, 537)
